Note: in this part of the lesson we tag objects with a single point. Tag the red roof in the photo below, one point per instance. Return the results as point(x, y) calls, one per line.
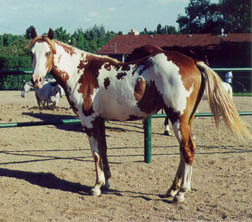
point(125, 44)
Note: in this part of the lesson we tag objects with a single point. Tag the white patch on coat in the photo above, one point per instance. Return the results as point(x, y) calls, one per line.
point(169, 82)
point(118, 101)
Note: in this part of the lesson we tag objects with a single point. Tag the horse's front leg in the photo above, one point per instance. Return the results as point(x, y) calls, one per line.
point(182, 181)
point(100, 177)
point(103, 151)
point(97, 141)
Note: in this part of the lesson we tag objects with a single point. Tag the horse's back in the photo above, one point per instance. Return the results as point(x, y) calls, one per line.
point(143, 52)
point(141, 89)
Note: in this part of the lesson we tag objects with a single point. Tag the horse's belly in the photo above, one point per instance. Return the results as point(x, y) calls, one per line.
point(119, 108)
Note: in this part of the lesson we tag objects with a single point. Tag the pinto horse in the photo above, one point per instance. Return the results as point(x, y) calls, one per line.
point(99, 87)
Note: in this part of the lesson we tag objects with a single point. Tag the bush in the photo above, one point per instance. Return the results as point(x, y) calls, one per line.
point(15, 62)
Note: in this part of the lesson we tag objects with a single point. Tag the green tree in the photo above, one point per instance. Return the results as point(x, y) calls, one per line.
point(201, 17)
point(62, 35)
point(28, 32)
point(160, 30)
point(236, 15)
point(204, 17)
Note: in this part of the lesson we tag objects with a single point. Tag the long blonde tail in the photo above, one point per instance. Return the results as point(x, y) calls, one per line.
point(221, 104)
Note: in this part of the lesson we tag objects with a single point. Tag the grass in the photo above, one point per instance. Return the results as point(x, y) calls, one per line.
point(243, 94)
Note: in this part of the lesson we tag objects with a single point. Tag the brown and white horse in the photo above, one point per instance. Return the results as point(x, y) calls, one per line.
point(98, 87)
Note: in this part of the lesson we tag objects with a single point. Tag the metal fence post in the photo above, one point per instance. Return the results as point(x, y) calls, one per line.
point(147, 140)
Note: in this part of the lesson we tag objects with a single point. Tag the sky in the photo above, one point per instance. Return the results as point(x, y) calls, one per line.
point(114, 15)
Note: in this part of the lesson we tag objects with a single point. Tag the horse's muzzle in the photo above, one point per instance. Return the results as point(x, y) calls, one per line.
point(37, 82)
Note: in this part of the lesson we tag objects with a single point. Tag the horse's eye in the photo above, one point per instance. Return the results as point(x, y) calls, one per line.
point(48, 54)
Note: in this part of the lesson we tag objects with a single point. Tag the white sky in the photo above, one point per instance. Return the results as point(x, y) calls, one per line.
point(114, 15)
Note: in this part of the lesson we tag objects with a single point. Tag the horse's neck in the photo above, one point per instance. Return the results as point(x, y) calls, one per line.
point(65, 63)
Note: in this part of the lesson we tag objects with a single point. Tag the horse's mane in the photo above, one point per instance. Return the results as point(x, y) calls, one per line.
point(69, 47)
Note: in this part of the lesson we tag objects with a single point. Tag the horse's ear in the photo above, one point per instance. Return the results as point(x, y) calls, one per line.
point(33, 33)
point(50, 34)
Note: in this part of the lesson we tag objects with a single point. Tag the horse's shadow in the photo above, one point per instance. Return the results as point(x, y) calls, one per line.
point(50, 181)
point(77, 127)
point(47, 180)
point(55, 117)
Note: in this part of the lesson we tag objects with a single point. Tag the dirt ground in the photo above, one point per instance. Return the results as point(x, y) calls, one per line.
point(46, 172)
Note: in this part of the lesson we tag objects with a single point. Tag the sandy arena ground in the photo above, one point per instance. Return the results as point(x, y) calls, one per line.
point(46, 172)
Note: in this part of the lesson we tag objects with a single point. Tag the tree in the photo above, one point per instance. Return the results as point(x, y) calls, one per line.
point(203, 17)
point(160, 30)
point(61, 35)
point(236, 15)
point(28, 34)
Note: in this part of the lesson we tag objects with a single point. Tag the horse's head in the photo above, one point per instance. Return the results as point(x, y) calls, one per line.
point(43, 50)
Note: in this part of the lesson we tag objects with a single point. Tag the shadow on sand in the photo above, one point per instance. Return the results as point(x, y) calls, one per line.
point(47, 180)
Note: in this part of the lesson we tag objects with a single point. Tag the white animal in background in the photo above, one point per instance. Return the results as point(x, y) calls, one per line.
point(48, 95)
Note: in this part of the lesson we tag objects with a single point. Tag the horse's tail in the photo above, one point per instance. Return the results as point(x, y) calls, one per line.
point(221, 104)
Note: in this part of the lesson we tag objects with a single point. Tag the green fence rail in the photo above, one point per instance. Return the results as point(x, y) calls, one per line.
point(40, 123)
point(147, 128)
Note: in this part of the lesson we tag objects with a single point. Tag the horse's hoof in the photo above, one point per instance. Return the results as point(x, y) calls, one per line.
point(96, 192)
point(171, 193)
point(179, 198)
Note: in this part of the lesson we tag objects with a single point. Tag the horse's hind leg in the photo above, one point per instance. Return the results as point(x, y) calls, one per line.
point(167, 131)
point(97, 140)
point(182, 180)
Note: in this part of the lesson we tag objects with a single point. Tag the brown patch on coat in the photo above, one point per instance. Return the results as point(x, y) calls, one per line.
point(106, 82)
point(125, 67)
point(81, 66)
point(62, 77)
point(121, 75)
point(89, 81)
point(107, 66)
point(151, 100)
point(187, 68)
point(139, 89)
point(143, 52)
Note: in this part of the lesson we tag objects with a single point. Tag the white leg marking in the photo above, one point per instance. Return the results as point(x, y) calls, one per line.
point(100, 177)
point(186, 183)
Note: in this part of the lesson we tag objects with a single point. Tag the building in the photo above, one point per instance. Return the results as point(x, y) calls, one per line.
point(232, 50)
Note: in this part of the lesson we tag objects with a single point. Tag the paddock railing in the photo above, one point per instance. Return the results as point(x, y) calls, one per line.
point(147, 131)
point(146, 126)
point(244, 83)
